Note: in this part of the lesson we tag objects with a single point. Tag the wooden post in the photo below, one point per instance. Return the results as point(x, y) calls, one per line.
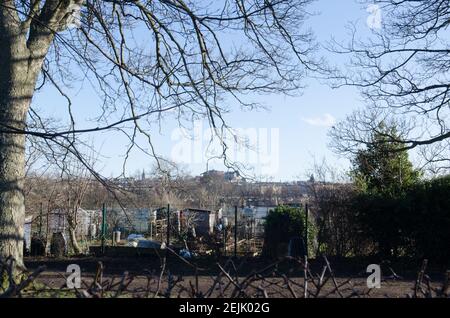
point(47, 225)
point(306, 229)
point(180, 221)
point(40, 221)
point(306, 277)
point(103, 227)
point(235, 229)
point(151, 228)
point(224, 241)
point(168, 225)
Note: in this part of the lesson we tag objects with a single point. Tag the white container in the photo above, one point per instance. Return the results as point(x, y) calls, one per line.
point(116, 237)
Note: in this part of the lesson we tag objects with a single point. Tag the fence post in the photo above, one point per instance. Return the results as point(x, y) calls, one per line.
point(235, 229)
point(168, 224)
point(103, 227)
point(306, 229)
point(40, 221)
point(224, 240)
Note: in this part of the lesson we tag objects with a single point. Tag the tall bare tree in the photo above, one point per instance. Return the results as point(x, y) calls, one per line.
point(75, 180)
point(403, 71)
point(144, 59)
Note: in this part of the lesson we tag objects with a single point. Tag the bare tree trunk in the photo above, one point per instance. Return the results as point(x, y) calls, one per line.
point(12, 207)
point(16, 89)
point(73, 241)
point(73, 222)
point(20, 64)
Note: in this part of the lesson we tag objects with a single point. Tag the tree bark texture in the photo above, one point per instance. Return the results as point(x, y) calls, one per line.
point(22, 52)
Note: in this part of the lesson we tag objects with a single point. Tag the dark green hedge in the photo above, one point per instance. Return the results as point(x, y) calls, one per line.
point(281, 225)
point(414, 223)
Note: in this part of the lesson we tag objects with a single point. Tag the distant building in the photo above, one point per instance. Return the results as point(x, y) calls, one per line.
point(230, 176)
point(125, 183)
point(213, 174)
point(88, 225)
point(233, 176)
point(127, 220)
point(140, 219)
point(203, 220)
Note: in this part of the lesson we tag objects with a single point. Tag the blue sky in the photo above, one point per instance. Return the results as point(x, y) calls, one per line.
point(302, 122)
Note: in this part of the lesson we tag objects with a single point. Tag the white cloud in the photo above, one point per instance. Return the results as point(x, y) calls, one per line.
point(327, 120)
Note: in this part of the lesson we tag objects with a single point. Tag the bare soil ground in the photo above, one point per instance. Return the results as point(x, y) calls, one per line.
point(283, 280)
